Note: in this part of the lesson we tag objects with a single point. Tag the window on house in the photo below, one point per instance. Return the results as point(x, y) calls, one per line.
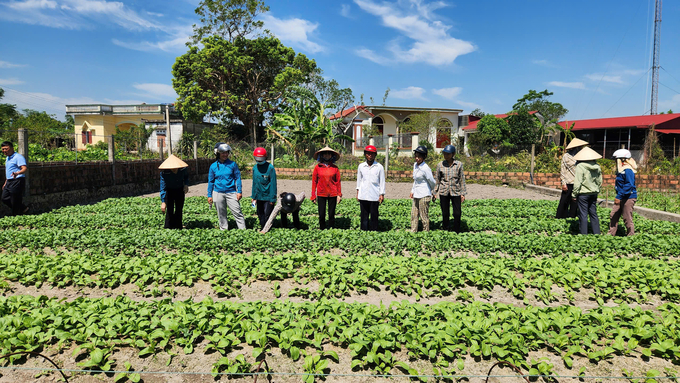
point(444, 131)
point(379, 125)
point(87, 137)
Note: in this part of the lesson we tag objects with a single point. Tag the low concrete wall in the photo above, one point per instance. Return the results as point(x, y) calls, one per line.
point(643, 211)
point(53, 185)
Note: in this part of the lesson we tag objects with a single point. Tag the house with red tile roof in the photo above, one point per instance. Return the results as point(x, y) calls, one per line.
point(606, 135)
point(387, 121)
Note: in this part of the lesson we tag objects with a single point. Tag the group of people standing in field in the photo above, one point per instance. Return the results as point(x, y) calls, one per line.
point(225, 189)
point(581, 179)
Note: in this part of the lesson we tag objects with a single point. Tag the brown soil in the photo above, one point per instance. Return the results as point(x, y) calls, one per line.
point(264, 291)
point(197, 366)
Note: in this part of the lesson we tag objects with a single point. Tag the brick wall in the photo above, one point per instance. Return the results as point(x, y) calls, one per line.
point(48, 178)
point(551, 180)
point(57, 184)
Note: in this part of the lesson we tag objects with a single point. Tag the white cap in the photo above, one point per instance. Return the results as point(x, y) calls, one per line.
point(622, 153)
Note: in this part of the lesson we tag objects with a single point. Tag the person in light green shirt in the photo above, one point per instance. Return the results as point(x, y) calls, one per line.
point(587, 184)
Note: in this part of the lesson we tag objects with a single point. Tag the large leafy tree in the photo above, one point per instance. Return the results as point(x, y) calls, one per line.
point(244, 79)
point(7, 112)
point(228, 19)
point(303, 122)
point(43, 129)
point(524, 128)
point(329, 93)
point(491, 132)
point(423, 123)
point(539, 101)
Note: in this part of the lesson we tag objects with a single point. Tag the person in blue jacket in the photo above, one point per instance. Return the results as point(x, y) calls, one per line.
point(264, 186)
point(174, 185)
point(626, 192)
point(224, 179)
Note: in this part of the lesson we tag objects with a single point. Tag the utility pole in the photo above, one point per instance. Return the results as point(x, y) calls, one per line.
point(657, 46)
point(168, 133)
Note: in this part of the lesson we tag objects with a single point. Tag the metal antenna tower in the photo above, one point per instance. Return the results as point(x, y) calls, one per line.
point(657, 46)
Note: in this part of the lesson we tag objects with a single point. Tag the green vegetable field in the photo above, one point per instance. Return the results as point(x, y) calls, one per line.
point(108, 295)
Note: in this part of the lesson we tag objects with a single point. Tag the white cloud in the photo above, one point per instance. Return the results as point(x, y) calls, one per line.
point(431, 42)
point(158, 91)
point(370, 55)
point(345, 10)
point(74, 14)
point(175, 42)
point(155, 14)
point(604, 78)
point(8, 65)
point(43, 101)
point(572, 85)
point(294, 31)
point(469, 105)
point(30, 5)
point(448, 93)
point(426, 9)
point(10, 81)
point(544, 63)
point(410, 93)
point(673, 103)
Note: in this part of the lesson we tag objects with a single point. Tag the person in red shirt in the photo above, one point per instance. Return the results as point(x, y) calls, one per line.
point(326, 185)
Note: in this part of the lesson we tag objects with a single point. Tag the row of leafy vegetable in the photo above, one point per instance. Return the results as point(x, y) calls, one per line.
point(441, 334)
point(394, 216)
point(121, 241)
point(403, 222)
point(607, 278)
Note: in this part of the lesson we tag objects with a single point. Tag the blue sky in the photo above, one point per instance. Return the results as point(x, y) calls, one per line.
point(594, 55)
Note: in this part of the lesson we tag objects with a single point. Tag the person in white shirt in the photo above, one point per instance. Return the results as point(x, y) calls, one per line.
point(370, 188)
point(421, 192)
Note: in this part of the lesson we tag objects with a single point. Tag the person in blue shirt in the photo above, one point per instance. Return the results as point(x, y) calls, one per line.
point(15, 179)
point(626, 192)
point(264, 186)
point(224, 179)
point(174, 185)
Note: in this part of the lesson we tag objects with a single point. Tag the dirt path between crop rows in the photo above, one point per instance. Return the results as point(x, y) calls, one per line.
point(393, 190)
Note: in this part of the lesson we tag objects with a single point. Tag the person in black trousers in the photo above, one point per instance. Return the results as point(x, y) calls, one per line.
point(567, 207)
point(174, 185)
point(450, 187)
point(15, 179)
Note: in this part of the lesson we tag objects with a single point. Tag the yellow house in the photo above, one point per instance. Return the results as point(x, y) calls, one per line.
point(96, 122)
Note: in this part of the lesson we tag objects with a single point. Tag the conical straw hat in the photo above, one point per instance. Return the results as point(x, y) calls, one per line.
point(575, 143)
point(326, 149)
point(587, 154)
point(173, 163)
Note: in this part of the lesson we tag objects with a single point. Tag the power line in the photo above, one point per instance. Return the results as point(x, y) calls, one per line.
point(660, 83)
point(669, 73)
point(617, 101)
point(38, 101)
point(630, 24)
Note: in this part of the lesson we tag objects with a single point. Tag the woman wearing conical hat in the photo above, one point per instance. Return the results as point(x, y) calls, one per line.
point(326, 185)
point(587, 184)
point(566, 208)
point(174, 185)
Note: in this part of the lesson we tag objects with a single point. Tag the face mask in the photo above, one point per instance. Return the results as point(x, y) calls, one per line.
point(261, 162)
